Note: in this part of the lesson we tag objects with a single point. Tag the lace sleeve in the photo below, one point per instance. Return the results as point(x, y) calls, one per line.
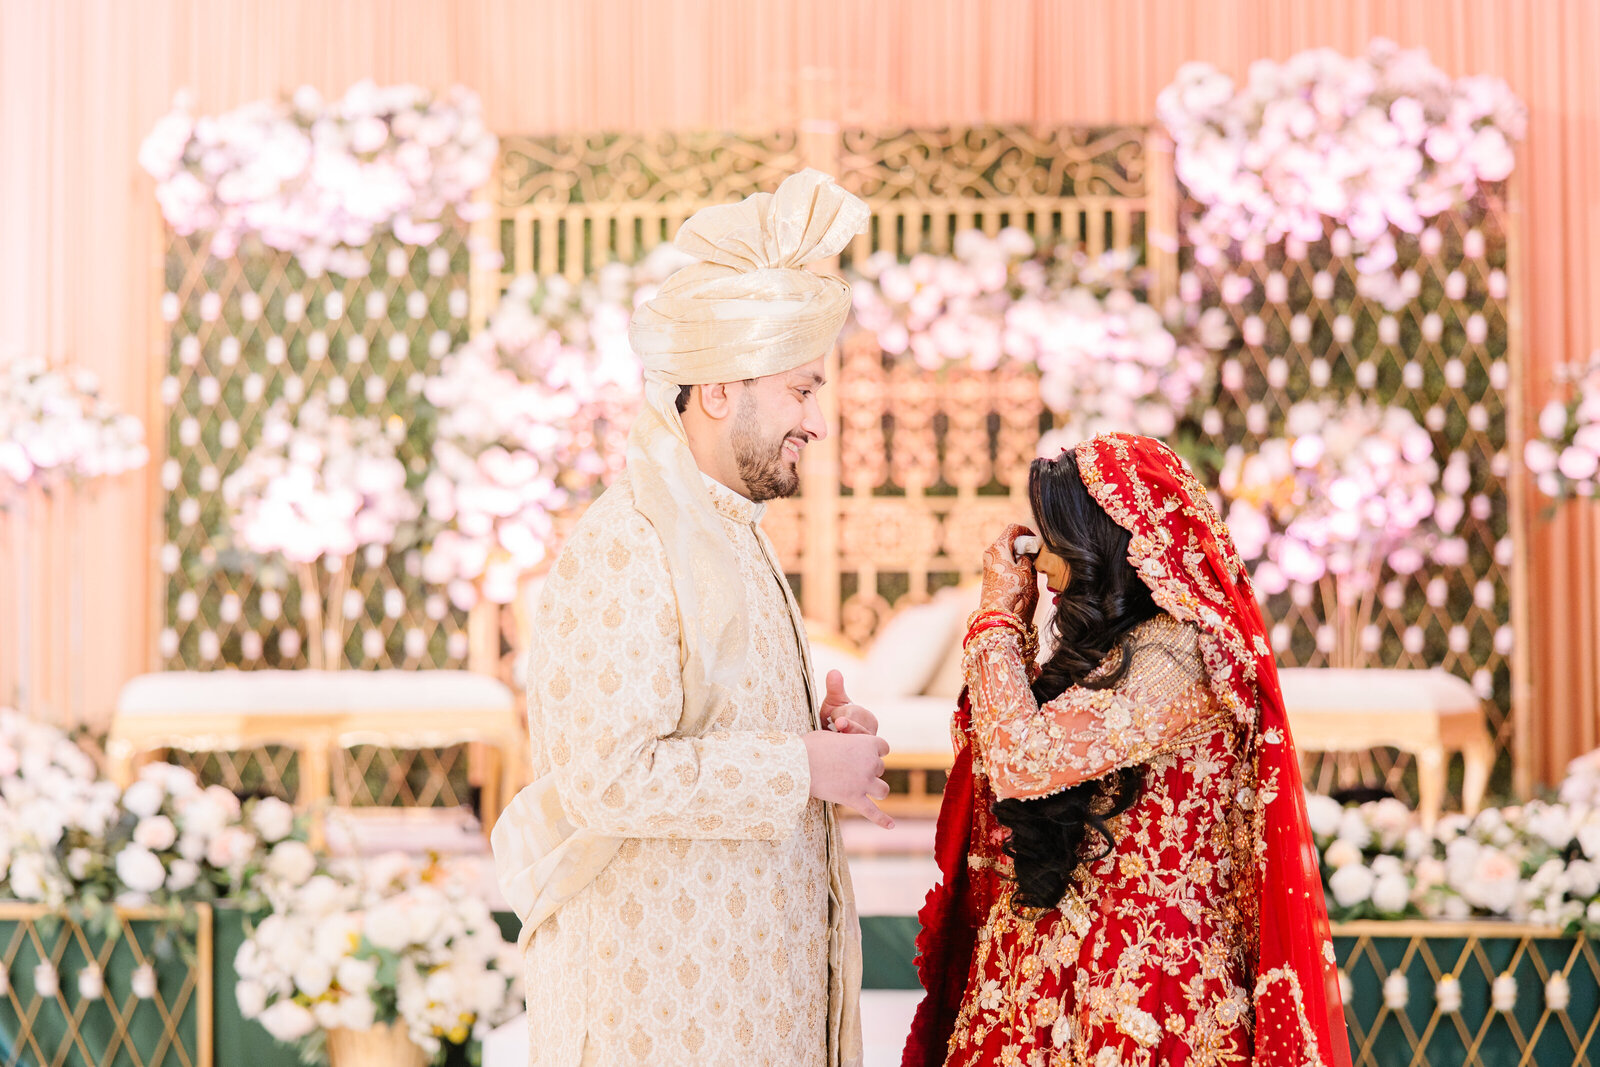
point(1030, 751)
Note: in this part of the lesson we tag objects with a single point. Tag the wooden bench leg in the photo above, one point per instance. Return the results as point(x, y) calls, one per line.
point(490, 803)
point(120, 755)
point(1478, 756)
point(1430, 784)
point(315, 784)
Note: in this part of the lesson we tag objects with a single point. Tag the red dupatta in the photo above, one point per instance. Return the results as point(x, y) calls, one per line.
point(1186, 557)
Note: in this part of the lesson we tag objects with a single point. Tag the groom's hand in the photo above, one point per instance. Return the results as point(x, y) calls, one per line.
point(848, 769)
point(842, 715)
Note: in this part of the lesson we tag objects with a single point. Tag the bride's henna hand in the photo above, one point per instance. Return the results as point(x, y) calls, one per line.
point(1009, 584)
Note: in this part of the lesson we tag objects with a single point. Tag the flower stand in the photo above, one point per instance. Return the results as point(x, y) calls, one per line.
point(385, 1045)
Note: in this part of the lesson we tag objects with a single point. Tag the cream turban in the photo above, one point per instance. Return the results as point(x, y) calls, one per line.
point(748, 309)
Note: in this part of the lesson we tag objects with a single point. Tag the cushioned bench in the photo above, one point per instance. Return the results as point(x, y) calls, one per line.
point(315, 712)
point(910, 675)
point(1427, 713)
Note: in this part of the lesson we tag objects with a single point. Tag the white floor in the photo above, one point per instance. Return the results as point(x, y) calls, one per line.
point(885, 1021)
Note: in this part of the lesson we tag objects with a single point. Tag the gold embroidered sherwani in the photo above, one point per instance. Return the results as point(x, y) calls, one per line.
point(705, 939)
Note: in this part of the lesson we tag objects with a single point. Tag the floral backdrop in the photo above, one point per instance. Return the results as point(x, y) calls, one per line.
point(1345, 215)
point(1337, 337)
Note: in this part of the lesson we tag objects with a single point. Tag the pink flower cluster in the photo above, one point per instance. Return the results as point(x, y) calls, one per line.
point(1565, 457)
point(54, 425)
point(533, 421)
point(320, 179)
point(1349, 489)
point(319, 485)
point(1107, 360)
point(1377, 143)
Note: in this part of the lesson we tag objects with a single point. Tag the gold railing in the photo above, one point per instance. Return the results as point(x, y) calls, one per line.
point(1527, 1030)
point(172, 1027)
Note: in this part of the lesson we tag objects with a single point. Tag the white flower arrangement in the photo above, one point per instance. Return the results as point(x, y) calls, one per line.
point(55, 814)
point(532, 422)
point(322, 179)
point(1376, 143)
point(1565, 456)
point(1107, 360)
point(55, 426)
point(318, 485)
point(1351, 490)
point(1537, 862)
point(386, 940)
point(314, 489)
point(73, 842)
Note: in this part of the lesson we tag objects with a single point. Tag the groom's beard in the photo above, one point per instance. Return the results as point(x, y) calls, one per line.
point(766, 471)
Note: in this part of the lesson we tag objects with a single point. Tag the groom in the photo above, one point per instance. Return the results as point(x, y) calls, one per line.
point(676, 864)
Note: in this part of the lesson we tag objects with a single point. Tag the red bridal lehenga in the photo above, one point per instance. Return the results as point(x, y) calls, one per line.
point(1201, 938)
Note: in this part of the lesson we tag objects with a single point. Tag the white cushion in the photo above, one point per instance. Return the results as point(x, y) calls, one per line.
point(1396, 691)
point(913, 724)
point(311, 692)
point(909, 648)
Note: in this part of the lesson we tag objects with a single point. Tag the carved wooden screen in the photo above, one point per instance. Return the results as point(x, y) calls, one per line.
point(924, 468)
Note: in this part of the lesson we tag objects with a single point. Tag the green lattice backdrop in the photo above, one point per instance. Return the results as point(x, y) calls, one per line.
point(1305, 330)
point(244, 332)
point(63, 1027)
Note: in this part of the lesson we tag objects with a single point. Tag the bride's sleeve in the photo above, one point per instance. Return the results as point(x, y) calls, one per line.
point(1030, 751)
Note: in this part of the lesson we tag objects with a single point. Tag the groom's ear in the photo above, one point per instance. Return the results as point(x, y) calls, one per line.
point(716, 400)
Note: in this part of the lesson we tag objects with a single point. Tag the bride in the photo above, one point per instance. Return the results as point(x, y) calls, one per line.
point(1127, 877)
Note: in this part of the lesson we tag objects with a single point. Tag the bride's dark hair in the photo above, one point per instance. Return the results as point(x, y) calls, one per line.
point(1095, 615)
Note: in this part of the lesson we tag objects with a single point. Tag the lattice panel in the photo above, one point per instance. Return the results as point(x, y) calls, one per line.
point(268, 770)
point(1306, 330)
point(1083, 184)
point(372, 776)
point(64, 1028)
point(1476, 1035)
point(570, 204)
point(244, 332)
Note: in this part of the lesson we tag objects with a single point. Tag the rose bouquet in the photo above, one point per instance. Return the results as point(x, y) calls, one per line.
point(322, 179)
point(54, 426)
point(1565, 456)
point(55, 816)
point(358, 946)
point(185, 842)
point(316, 487)
point(1377, 143)
point(1347, 493)
point(72, 841)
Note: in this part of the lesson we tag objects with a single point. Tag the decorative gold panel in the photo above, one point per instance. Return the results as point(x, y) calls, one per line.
point(1526, 1031)
point(925, 468)
point(570, 204)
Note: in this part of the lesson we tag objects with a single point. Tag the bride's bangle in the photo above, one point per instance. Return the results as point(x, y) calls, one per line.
point(983, 621)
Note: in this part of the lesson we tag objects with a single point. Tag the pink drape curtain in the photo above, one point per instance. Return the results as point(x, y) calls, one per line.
point(81, 81)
